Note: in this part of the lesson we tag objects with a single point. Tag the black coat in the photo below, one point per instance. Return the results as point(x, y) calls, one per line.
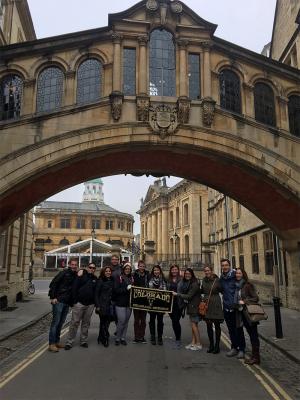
point(141, 280)
point(84, 289)
point(215, 310)
point(103, 295)
point(121, 295)
point(193, 296)
point(61, 285)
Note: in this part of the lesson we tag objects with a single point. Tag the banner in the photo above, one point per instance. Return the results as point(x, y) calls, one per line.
point(151, 299)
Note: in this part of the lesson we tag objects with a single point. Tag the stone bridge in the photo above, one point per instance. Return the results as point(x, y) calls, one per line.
point(153, 92)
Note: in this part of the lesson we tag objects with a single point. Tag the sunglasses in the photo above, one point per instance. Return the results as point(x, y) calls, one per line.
point(92, 267)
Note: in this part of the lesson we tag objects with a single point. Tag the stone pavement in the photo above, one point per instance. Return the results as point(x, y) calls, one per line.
point(27, 313)
point(290, 343)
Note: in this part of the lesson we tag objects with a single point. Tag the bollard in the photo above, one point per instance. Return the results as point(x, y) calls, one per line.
point(276, 304)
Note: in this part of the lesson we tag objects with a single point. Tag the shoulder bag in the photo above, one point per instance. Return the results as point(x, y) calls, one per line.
point(203, 305)
point(255, 312)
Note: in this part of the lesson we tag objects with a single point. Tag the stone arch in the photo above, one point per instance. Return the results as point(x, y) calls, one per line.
point(234, 66)
point(15, 69)
point(93, 52)
point(290, 91)
point(44, 62)
point(276, 87)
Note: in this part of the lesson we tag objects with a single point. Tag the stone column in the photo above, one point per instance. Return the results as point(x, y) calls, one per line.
point(28, 101)
point(206, 70)
point(164, 235)
point(249, 100)
point(159, 232)
point(142, 73)
point(149, 228)
point(69, 97)
point(154, 227)
point(117, 38)
point(183, 81)
point(282, 116)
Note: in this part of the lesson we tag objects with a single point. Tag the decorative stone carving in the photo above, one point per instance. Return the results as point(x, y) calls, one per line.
point(176, 7)
point(142, 107)
point(163, 13)
point(152, 5)
point(183, 107)
point(116, 37)
point(182, 43)
point(208, 110)
point(116, 103)
point(163, 120)
point(143, 40)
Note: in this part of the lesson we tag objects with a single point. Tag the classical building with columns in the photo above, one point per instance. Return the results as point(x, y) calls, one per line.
point(174, 223)
point(59, 223)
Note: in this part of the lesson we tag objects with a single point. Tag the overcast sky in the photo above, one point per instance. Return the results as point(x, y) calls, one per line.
point(243, 22)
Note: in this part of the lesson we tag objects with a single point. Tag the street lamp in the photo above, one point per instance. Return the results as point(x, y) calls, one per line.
point(175, 238)
point(93, 233)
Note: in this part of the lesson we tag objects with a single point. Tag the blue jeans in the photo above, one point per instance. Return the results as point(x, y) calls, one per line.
point(60, 312)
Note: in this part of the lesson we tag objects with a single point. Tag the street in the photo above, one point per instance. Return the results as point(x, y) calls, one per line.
point(135, 372)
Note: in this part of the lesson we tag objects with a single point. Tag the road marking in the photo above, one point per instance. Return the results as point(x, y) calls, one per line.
point(25, 363)
point(263, 377)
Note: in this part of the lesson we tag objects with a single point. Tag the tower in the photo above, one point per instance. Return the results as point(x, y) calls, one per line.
point(93, 191)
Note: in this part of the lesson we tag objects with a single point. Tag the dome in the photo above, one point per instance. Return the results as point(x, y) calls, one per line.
point(96, 180)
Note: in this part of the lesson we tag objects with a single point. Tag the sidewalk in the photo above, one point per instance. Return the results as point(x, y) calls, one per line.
point(290, 344)
point(31, 310)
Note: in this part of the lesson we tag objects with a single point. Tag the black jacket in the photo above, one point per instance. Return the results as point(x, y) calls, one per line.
point(60, 287)
point(103, 295)
point(141, 280)
point(83, 289)
point(121, 295)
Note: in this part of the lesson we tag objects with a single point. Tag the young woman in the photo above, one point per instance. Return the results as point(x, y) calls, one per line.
point(157, 281)
point(121, 297)
point(140, 279)
point(245, 293)
point(211, 289)
point(103, 303)
point(189, 291)
point(172, 284)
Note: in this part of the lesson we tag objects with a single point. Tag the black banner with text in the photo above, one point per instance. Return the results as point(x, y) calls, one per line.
point(151, 299)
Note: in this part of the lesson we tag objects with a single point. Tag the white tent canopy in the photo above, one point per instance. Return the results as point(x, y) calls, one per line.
point(88, 250)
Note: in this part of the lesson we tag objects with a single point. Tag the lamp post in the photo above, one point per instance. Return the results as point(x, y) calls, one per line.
point(175, 238)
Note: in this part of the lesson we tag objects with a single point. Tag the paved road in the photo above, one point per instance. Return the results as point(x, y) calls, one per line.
point(135, 372)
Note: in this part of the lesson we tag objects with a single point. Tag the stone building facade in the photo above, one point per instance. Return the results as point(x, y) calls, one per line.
point(174, 223)
point(237, 234)
point(16, 241)
point(60, 223)
point(285, 44)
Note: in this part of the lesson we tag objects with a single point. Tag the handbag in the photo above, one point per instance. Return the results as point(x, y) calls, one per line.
point(203, 305)
point(255, 312)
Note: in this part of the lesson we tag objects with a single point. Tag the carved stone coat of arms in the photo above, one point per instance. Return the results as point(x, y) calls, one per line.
point(163, 120)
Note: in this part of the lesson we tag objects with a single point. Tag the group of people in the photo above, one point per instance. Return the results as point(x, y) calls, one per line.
point(225, 298)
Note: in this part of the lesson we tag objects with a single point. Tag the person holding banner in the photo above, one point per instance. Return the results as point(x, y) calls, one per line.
point(140, 279)
point(175, 315)
point(189, 290)
point(121, 296)
point(157, 281)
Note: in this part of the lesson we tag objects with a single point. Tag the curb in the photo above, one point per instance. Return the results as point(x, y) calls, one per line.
point(283, 351)
point(23, 327)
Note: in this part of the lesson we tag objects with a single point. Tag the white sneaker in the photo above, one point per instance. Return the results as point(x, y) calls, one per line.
point(194, 347)
point(189, 346)
point(199, 346)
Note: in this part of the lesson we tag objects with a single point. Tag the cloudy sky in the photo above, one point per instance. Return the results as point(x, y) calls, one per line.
point(243, 22)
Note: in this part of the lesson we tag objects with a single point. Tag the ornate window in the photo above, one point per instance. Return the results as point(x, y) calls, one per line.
point(162, 64)
point(49, 89)
point(194, 76)
point(11, 89)
point(230, 92)
point(129, 73)
point(89, 81)
point(264, 104)
point(294, 114)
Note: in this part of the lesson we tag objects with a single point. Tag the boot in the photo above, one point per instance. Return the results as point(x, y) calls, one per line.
point(152, 333)
point(210, 334)
point(60, 345)
point(52, 348)
point(255, 357)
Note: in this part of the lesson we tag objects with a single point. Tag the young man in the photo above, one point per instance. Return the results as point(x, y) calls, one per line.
point(115, 267)
point(140, 279)
point(227, 281)
point(84, 298)
point(60, 293)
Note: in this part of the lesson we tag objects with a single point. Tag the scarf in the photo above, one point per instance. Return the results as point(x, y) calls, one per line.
point(157, 282)
point(237, 293)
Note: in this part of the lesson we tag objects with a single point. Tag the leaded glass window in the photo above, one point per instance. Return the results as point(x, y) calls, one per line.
point(49, 89)
point(230, 92)
point(162, 64)
point(89, 81)
point(294, 114)
point(264, 104)
point(129, 72)
point(11, 89)
point(194, 76)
